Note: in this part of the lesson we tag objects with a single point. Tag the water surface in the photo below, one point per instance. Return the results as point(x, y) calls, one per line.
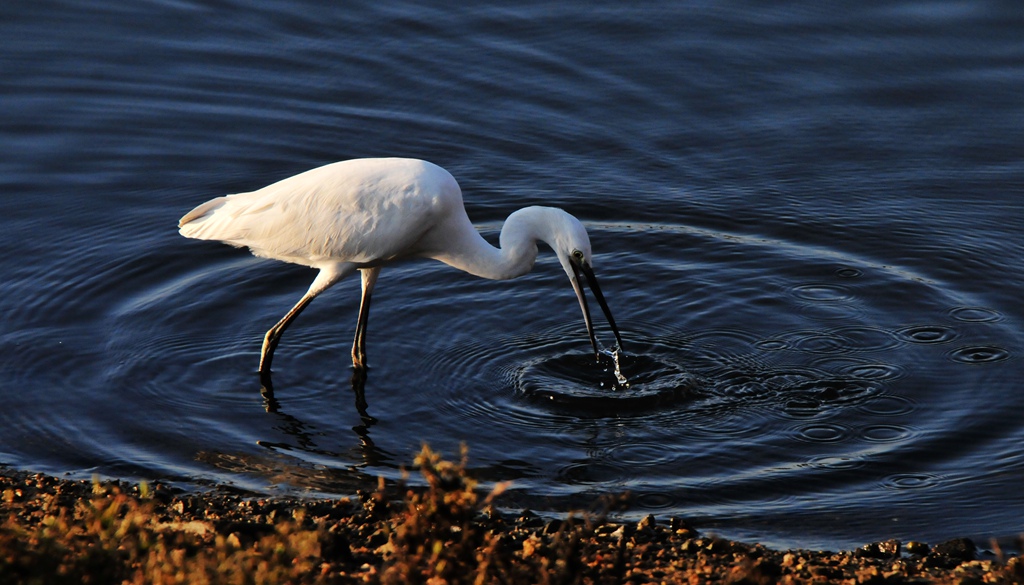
point(806, 220)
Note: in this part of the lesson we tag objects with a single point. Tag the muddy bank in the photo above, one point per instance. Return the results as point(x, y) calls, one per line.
point(57, 531)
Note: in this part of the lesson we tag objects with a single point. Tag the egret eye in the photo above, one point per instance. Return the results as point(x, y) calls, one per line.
point(577, 255)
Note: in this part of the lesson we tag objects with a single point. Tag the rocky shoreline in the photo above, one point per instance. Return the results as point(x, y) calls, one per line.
point(59, 531)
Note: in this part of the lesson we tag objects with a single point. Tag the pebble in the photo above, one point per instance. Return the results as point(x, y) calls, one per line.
point(918, 548)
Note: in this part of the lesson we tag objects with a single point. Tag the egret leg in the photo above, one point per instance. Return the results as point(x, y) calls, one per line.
point(273, 336)
point(323, 281)
point(359, 343)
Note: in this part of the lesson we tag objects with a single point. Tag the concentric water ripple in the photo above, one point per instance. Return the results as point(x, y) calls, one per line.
point(886, 433)
point(975, 314)
point(834, 463)
point(928, 334)
point(979, 354)
point(574, 380)
point(911, 481)
point(848, 272)
point(572, 383)
point(822, 292)
point(830, 395)
point(874, 371)
point(889, 406)
point(822, 433)
point(642, 454)
point(803, 397)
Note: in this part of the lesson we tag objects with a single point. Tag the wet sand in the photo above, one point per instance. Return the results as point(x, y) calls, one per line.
point(58, 531)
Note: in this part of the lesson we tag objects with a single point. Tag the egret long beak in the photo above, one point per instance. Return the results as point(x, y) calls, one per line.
point(583, 268)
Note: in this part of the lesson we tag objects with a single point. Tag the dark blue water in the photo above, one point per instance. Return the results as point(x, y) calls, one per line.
point(807, 221)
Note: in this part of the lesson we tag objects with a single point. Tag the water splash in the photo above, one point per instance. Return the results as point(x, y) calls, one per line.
point(621, 382)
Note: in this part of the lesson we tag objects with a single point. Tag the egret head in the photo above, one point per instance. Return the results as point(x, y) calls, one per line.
point(572, 246)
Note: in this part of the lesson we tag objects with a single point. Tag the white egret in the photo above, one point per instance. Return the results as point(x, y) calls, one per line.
point(366, 213)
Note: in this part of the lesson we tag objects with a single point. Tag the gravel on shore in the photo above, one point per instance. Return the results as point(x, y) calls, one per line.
point(60, 531)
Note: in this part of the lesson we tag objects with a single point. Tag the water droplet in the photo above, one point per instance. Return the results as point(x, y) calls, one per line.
point(573, 380)
point(615, 354)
